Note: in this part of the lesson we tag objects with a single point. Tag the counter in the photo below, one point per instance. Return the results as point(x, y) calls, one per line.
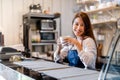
point(55, 71)
point(7, 73)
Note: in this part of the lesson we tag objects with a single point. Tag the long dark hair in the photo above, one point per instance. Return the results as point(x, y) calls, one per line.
point(87, 23)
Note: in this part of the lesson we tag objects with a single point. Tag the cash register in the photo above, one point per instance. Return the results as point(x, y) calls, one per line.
point(7, 52)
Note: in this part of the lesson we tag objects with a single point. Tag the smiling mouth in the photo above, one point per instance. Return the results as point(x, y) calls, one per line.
point(78, 31)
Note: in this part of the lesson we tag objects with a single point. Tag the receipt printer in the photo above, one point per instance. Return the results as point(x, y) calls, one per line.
point(7, 52)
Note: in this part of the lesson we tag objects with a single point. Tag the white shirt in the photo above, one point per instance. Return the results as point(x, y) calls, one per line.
point(87, 55)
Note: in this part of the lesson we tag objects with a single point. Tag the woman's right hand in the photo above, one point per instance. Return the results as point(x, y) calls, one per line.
point(57, 51)
point(59, 45)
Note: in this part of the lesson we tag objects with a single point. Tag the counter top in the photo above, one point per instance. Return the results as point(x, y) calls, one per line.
point(59, 71)
point(7, 73)
point(72, 73)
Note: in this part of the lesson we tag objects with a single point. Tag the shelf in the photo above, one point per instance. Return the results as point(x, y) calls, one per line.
point(30, 24)
point(103, 9)
point(48, 31)
point(87, 2)
point(100, 41)
point(42, 16)
point(105, 22)
point(38, 44)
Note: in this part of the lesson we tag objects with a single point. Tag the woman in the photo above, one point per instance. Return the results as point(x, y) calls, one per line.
point(84, 48)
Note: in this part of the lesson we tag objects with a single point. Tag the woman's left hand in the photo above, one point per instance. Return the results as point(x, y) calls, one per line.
point(70, 40)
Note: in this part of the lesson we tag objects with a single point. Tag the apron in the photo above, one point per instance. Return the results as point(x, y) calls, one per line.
point(74, 59)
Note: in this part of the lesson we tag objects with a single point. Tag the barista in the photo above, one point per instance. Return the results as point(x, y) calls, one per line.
point(83, 50)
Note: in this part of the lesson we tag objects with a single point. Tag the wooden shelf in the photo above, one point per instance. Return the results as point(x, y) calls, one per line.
point(103, 9)
point(87, 2)
point(105, 22)
point(38, 44)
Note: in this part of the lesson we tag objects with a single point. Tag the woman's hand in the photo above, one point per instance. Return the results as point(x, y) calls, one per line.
point(59, 46)
point(75, 42)
point(70, 40)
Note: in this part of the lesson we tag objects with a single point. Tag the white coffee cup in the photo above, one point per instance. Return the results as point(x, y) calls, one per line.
point(92, 7)
point(102, 5)
point(62, 41)
point(109, 4)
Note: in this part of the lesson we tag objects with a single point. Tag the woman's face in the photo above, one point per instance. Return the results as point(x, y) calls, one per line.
point(78, 27)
